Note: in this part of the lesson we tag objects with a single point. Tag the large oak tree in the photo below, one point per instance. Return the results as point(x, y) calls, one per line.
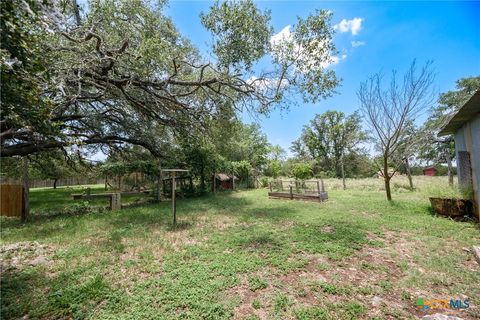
point(119, 72)
point(329, 138)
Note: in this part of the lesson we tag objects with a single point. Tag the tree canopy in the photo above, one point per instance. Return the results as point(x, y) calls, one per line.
point(328, 137)
point(435, 148)
point(119, 73)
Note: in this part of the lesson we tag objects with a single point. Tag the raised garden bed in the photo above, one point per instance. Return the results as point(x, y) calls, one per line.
point(322, 196)
point(308, 190)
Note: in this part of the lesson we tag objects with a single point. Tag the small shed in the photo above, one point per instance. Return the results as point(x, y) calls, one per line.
point(431, 171)
point(465, 127)
point(224, 180)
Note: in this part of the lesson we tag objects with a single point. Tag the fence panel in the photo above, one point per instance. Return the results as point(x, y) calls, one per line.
point(34, 183)
point(11, 200)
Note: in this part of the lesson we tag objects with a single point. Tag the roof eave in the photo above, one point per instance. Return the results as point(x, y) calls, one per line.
point(467, 112)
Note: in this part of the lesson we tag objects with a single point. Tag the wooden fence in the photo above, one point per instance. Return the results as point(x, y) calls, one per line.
point(11, 200)
point(49, 183)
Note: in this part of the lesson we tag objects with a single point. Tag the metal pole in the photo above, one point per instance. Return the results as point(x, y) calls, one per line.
point(26, 190)
point(174, 205)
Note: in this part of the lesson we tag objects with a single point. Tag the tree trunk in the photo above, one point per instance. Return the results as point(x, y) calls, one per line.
point(55, 183)
point(26, 190)
point(387, 188)
point(76, 12)
point(409, 173)
point(214, 187)
point(159, 183)
point(386, 177)
point(450, 168)
point(202, 178)
point(343, 173)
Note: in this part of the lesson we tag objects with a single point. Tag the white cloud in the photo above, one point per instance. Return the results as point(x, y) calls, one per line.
point(353, 25)
point(356, 44)
point(284, 39)
point(266, 83)
point(284, 35)
point(333, 61)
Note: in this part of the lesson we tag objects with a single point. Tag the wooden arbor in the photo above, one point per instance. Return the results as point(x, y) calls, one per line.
point(174, 202)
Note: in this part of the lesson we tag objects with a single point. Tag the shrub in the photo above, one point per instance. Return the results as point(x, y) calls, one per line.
point(302, 171)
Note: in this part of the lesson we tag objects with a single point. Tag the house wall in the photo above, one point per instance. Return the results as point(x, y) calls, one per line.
point(467, 138)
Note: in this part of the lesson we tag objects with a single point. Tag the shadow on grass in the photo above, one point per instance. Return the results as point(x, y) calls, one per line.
point(15, 284)
point(65, 298)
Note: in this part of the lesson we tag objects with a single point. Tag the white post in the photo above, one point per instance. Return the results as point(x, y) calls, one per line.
point(174, 208)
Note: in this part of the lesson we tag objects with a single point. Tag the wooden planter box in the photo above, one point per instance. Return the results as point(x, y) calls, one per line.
point(451, 207)
point(323, 196)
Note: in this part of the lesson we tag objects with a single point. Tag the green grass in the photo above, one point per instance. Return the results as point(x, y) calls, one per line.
point(242, 254)
point(49, 201)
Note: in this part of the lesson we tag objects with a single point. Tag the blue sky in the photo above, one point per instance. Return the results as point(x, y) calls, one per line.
point(390, 36)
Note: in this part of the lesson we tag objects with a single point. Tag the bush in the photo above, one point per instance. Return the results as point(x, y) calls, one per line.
point(264, 182)
point(302, 171)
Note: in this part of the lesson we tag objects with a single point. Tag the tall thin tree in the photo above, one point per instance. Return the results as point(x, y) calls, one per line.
point(389, 109)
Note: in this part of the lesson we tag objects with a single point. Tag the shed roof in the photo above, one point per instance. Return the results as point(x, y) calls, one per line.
point(469, 110)
point(224, 177)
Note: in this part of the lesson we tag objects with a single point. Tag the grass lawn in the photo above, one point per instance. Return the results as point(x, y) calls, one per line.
point(241, 255)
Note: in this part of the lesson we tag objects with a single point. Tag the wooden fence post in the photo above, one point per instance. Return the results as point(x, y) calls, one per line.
point(115, 201)
point(291, 192)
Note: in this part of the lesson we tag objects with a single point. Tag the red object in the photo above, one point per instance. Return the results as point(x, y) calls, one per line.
point(224, 180)
point(429, 171)
point(226, 184)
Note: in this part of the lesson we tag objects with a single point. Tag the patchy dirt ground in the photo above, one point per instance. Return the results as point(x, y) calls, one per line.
point(240, 255)
point(374, 276)
point(18, 255)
